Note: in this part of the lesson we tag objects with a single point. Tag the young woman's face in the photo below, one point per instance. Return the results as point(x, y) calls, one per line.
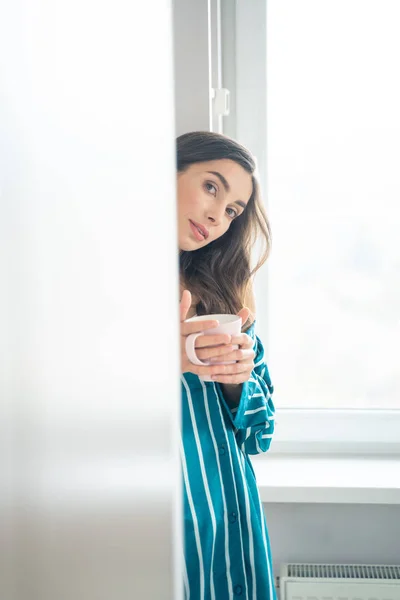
point(210, 196)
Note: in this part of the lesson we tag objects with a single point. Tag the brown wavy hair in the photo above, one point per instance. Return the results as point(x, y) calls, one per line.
point(220, 273)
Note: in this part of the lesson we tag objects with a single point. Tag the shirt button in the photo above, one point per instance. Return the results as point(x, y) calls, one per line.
point(222, 450)
point(237, 590)
point(233, 517)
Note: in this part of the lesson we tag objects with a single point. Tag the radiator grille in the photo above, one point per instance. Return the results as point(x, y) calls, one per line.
point(384, 572)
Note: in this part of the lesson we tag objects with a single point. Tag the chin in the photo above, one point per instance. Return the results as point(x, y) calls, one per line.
point(189, 246)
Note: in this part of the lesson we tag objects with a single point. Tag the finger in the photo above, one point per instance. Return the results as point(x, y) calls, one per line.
point(201, 371)
point(212, 340)
point(233, 369)
point(244, 314)
point(208, 370)
point(197, 326)
point(231, 379)
point(215, 353)
point(246, 355)
point(243, 340)
point(185, 304)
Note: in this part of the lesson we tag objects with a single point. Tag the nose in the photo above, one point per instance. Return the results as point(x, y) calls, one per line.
point(215, 214)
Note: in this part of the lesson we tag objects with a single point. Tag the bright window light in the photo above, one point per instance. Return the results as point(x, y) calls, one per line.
point(333, 147)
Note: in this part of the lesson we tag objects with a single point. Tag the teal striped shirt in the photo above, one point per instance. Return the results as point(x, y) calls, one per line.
point(227, 550)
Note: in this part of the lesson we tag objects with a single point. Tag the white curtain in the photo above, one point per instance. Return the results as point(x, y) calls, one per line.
point(89, 318)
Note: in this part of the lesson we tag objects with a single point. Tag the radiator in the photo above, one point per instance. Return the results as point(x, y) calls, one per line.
point(339, 582)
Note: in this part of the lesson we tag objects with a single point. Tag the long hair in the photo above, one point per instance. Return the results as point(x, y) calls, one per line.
point(219, 274)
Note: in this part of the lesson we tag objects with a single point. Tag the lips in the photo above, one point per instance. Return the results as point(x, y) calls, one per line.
point(200, 231)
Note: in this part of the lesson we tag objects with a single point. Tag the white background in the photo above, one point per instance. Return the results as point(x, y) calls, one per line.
point(333, 156)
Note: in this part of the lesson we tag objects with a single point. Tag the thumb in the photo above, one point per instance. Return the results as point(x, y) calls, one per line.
point(185, 304)
point(244, 314)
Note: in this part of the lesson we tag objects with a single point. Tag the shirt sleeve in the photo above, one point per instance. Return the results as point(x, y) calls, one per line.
point(254, 417)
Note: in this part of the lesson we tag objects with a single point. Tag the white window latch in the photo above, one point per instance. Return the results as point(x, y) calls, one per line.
point(221, 102)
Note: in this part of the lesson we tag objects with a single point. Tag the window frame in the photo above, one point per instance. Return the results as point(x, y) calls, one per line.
point(244, 73)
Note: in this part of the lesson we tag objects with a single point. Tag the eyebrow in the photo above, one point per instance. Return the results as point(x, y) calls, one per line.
point(227, 187)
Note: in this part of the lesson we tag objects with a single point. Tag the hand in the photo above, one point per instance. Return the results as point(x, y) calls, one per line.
point(221, 343)
point(240, 372)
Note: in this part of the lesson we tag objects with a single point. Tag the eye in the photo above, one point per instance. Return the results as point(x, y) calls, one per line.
point(211, 188)
point(232, 216)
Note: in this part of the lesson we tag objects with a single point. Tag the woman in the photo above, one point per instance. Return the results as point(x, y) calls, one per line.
point(227, 553)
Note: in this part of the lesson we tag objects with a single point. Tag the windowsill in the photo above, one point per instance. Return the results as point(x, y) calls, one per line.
point(343, 480)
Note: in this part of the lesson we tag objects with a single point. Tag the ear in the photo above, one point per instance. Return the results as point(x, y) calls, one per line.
point(244, 314)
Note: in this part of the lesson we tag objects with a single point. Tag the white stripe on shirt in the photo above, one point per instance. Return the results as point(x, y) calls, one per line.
point(186, 580)
point(234, 484)
point(195, 522)
point(227, 556)
point(248, 433)
point(205, 483)
point(253, 411)
point(248, 519)
point(257, 444)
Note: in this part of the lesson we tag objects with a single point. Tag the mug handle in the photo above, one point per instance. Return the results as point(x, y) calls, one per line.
point(190, 350)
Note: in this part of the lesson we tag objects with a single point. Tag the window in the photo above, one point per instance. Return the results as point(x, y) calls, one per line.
point(329, 302)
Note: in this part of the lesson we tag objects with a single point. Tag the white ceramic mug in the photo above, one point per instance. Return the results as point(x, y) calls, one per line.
point(230, 324)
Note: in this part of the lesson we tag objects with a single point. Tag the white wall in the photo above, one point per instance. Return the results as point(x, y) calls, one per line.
point(359, 533)
point(89, 288)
